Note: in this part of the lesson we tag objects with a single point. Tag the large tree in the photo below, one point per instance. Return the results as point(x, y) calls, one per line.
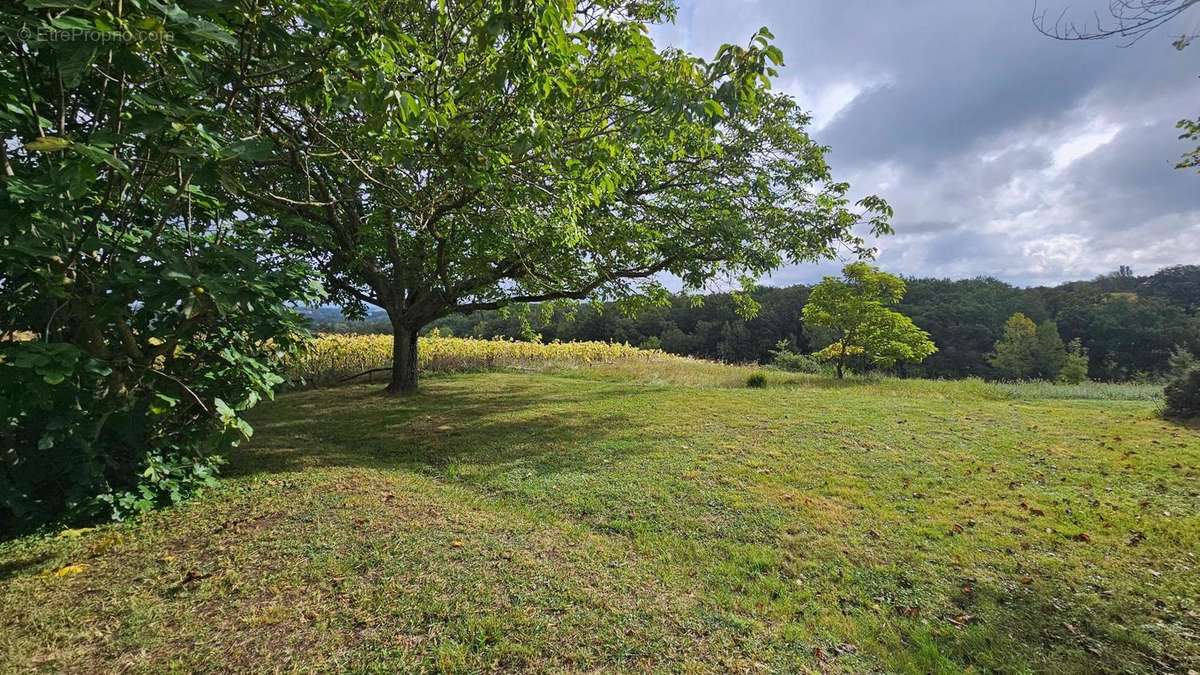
point(857, 309)
point(470, 154)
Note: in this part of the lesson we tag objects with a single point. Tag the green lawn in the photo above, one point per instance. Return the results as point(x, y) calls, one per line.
point(501, 522)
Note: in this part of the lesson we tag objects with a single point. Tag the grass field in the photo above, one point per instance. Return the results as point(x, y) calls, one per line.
point(605, 519)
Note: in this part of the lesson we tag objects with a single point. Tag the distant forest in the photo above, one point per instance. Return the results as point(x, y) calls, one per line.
point(1129, 324)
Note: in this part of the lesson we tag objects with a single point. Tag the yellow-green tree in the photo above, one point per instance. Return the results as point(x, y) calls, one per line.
point(1016, 352)
point(857, 308)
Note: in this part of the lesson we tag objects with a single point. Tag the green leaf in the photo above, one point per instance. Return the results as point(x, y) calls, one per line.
point(714, 108)
point(101, 156)
point(72, 23)
point(55, 377)
point(73, 62)
point(250, 149)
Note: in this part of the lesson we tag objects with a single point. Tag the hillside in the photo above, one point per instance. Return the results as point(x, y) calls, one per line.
point(581, 521)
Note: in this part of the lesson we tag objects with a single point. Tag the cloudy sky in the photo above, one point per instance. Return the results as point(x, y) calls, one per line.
point(1004, 153)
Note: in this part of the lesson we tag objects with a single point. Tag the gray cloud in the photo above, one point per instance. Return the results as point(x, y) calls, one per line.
point(1004, 152)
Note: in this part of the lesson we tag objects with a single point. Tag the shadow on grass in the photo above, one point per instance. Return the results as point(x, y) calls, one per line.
point(21, 566)
point(1056, 631)
point(487, 424)
point(1192, 424)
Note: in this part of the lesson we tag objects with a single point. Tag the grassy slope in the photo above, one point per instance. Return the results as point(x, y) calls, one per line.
point(500, 521)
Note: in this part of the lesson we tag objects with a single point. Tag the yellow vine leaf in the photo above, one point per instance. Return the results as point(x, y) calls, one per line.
point(70, 570)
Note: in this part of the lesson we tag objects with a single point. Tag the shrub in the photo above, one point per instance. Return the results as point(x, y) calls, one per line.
point(801, 363)
point(652, 343)
point(757, 381)
point(1182, 362)
point(81, 435)
point(1183, 396)
point(155, 303)
point(783, 358)
point(1074, 369)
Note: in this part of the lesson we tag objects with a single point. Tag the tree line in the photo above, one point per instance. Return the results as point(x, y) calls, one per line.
point(1128, 326)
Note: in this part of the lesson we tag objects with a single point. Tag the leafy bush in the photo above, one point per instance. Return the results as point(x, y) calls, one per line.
point(652, 343)
point(1181, 362)
point(783, 358)
point(151, 306)
point(801, 363)
point(1074, 368)
point(757, 381)
point(87, 432)
point(1183, 396)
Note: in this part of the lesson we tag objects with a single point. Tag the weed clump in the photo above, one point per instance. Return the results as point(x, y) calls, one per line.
point(757, 381)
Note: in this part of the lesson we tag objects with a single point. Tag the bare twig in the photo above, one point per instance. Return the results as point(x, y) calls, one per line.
point(1131, 21)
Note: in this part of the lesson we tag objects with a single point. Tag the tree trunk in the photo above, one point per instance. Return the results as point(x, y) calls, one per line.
point(404, 360)
point(839, 368)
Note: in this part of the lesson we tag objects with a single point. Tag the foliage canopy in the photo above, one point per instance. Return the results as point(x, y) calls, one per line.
point(468, 155)
point(156, 309)
point(857, 309)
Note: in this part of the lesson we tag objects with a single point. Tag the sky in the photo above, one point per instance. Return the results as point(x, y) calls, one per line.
point(1005, 153)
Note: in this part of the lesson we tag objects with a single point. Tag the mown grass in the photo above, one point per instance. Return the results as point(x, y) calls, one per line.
point(593, 520)
point(675, 370)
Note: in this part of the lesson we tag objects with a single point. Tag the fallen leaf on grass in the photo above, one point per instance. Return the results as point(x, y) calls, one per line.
point(70, 570)
point(192, 575)
point(962, 620)
point(845, 648)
